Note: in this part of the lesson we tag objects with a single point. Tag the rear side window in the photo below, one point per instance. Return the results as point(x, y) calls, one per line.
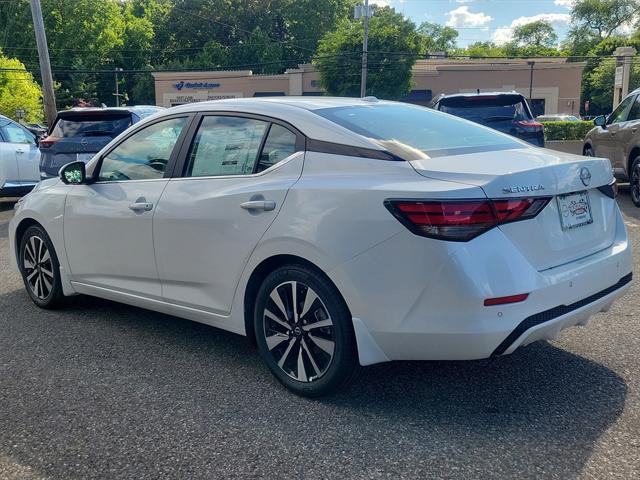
point(487, 109)
point(225, 146)
point(280, 143)
point(91, 125)
point(413, 132)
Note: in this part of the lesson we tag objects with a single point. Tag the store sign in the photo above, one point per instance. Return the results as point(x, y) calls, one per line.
point(618, 78)
point(173, 99)
point(195, 85)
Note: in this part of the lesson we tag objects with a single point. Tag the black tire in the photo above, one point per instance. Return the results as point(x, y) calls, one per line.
point(634, 181)
point(588, 151)
point(300, 337)
point(37, 260)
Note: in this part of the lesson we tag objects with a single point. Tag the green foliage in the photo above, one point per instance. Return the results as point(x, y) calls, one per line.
point(538, 34)
point(599, 85)
point(18, 90)
point(389, 74)
point(566, 130)
point(436, 37)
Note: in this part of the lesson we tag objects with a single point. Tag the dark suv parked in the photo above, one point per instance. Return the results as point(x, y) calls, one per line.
point(79, 133)
point(506, 112)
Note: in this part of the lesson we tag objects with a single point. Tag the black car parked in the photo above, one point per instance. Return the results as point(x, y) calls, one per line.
point(79, 133)
point(506, 112)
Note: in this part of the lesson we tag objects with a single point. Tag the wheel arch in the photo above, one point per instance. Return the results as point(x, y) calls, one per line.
point(261, 271)
point(635, 153)
point(21, 228)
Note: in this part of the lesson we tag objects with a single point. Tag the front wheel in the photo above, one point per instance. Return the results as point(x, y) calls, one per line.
point(40, 268)
point(304, 331)
point(634, 180)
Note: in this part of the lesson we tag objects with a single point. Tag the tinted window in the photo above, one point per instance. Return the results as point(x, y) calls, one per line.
point(225, 146)
point(94, 125)
point(143, 155)
point(280, 143)
point(486, 110)
point(620, 113)
point(13, 133)
point(634, 113)
point(416, 132)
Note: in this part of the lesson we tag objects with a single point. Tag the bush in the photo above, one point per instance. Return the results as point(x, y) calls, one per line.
point(566, 130)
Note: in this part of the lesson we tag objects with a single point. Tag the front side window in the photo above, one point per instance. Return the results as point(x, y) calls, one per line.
point(15, 134)
point(620, 113)
point(145, 154)
point(414, 132)
point(225, 146)
point(634, 113)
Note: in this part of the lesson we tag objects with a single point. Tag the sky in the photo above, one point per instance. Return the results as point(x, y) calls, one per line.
point(484, 20)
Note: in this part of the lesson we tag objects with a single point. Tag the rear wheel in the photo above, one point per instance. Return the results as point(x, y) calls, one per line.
point(634, 180)
point(304, 331)
point(40, 268)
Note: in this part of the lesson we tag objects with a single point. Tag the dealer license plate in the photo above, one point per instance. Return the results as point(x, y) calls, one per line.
point(575, 210)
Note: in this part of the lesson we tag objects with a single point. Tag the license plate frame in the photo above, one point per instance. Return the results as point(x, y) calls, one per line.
point(574, 210)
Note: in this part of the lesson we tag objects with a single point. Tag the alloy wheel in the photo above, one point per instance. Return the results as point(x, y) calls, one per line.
point(299, 331)
point(38, 267)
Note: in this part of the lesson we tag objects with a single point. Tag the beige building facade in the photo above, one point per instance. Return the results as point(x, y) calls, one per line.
point(555, 87)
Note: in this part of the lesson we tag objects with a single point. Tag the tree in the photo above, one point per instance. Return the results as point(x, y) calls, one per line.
point(436, 37)
point(18, 90)
point(538, 34)
point(394, 45)
point(480, 50)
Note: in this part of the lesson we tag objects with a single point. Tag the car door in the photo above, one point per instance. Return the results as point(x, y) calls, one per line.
point(21, 144)
point(630, 131)
point(235, 175)
point(610, 141)
point(108, 229)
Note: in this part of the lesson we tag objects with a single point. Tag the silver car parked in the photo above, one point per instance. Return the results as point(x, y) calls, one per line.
point(617, 137)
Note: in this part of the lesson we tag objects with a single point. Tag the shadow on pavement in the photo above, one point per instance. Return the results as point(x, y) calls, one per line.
point(104, 390)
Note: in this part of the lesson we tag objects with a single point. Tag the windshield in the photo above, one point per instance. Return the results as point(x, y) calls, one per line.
point(414, 132)
point(90, 126)
point(487, 109)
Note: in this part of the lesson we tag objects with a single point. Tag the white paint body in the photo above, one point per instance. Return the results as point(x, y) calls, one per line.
point(411, 298)
point(19, 162)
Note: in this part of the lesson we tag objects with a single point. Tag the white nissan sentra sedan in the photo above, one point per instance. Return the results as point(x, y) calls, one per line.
point(334, 232)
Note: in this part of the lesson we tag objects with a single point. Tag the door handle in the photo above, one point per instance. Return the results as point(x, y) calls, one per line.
point(141, 206)
point(612, 133)
point(634, 130)
point(265, 205)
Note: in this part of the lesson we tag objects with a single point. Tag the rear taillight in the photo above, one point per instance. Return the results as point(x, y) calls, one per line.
point(529, 124)
point(462, 220)
point(610, 190)
point(48, 142)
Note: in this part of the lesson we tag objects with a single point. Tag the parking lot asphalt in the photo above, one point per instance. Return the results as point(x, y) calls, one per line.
point(102, 390)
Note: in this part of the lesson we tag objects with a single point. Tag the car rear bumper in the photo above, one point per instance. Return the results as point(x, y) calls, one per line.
point(429, 305)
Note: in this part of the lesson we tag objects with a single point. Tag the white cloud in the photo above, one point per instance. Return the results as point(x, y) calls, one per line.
point(379, 3)
point(565, 3)
point(462, 17)
point(504, 34)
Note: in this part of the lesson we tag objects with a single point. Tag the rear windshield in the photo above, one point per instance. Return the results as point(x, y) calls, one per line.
point(487, 109)
point(413, 132)
point(91, 126)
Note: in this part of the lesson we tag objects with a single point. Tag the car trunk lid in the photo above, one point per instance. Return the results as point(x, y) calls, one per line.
point(546, 240)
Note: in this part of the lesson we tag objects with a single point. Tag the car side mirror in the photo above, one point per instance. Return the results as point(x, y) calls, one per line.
point(73, 173)
point(600, 121)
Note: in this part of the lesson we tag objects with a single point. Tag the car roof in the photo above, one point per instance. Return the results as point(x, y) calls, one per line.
point(109, 110)
point(480, 94)
point(298, 111)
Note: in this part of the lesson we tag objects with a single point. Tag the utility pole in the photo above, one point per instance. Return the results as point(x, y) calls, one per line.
point(117, 94)
point(49, 96)
point(366, 13)
point(531, 64)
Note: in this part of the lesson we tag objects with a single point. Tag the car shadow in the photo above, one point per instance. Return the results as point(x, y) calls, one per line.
point(99, 385)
